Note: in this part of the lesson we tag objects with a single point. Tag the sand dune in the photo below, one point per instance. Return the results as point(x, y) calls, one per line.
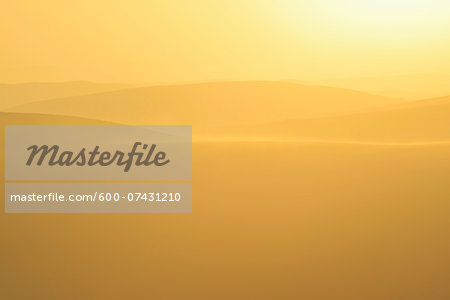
point(43, 119)
point(301, 215)
point(302, 118)
point(411, 87)
point(211, 105)
point(17, 94)
point(416, 122)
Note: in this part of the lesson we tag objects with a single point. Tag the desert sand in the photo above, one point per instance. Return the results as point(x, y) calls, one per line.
point(329, 219)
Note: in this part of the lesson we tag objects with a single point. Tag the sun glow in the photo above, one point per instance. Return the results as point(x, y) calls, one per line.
point(394, 13)
point(376, 16)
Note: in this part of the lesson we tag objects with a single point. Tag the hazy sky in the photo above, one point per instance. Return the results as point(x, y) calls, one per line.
point(173, 41)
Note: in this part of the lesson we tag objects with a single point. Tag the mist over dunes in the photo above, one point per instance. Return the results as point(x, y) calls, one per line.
point(304, 214)
point(43, 119)
point(411, 87)
point(20, 93)
point(258, 110)
point(416, 122)
point(210, 104)
point(252, 110)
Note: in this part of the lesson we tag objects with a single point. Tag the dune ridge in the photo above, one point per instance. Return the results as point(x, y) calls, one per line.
point(426, 121)
point(261, 111)
point(7, 118)
point(210, 105)
point(411, 87)
point(22, 93)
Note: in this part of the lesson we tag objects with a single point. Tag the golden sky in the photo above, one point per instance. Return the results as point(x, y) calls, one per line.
point(178, 40)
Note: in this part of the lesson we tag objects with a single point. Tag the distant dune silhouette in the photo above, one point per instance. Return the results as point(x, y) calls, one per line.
point(411, 87)
point(416, 122)
point(43, 119)
point(255, 110)
point(211, 105)
point(17, 94)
